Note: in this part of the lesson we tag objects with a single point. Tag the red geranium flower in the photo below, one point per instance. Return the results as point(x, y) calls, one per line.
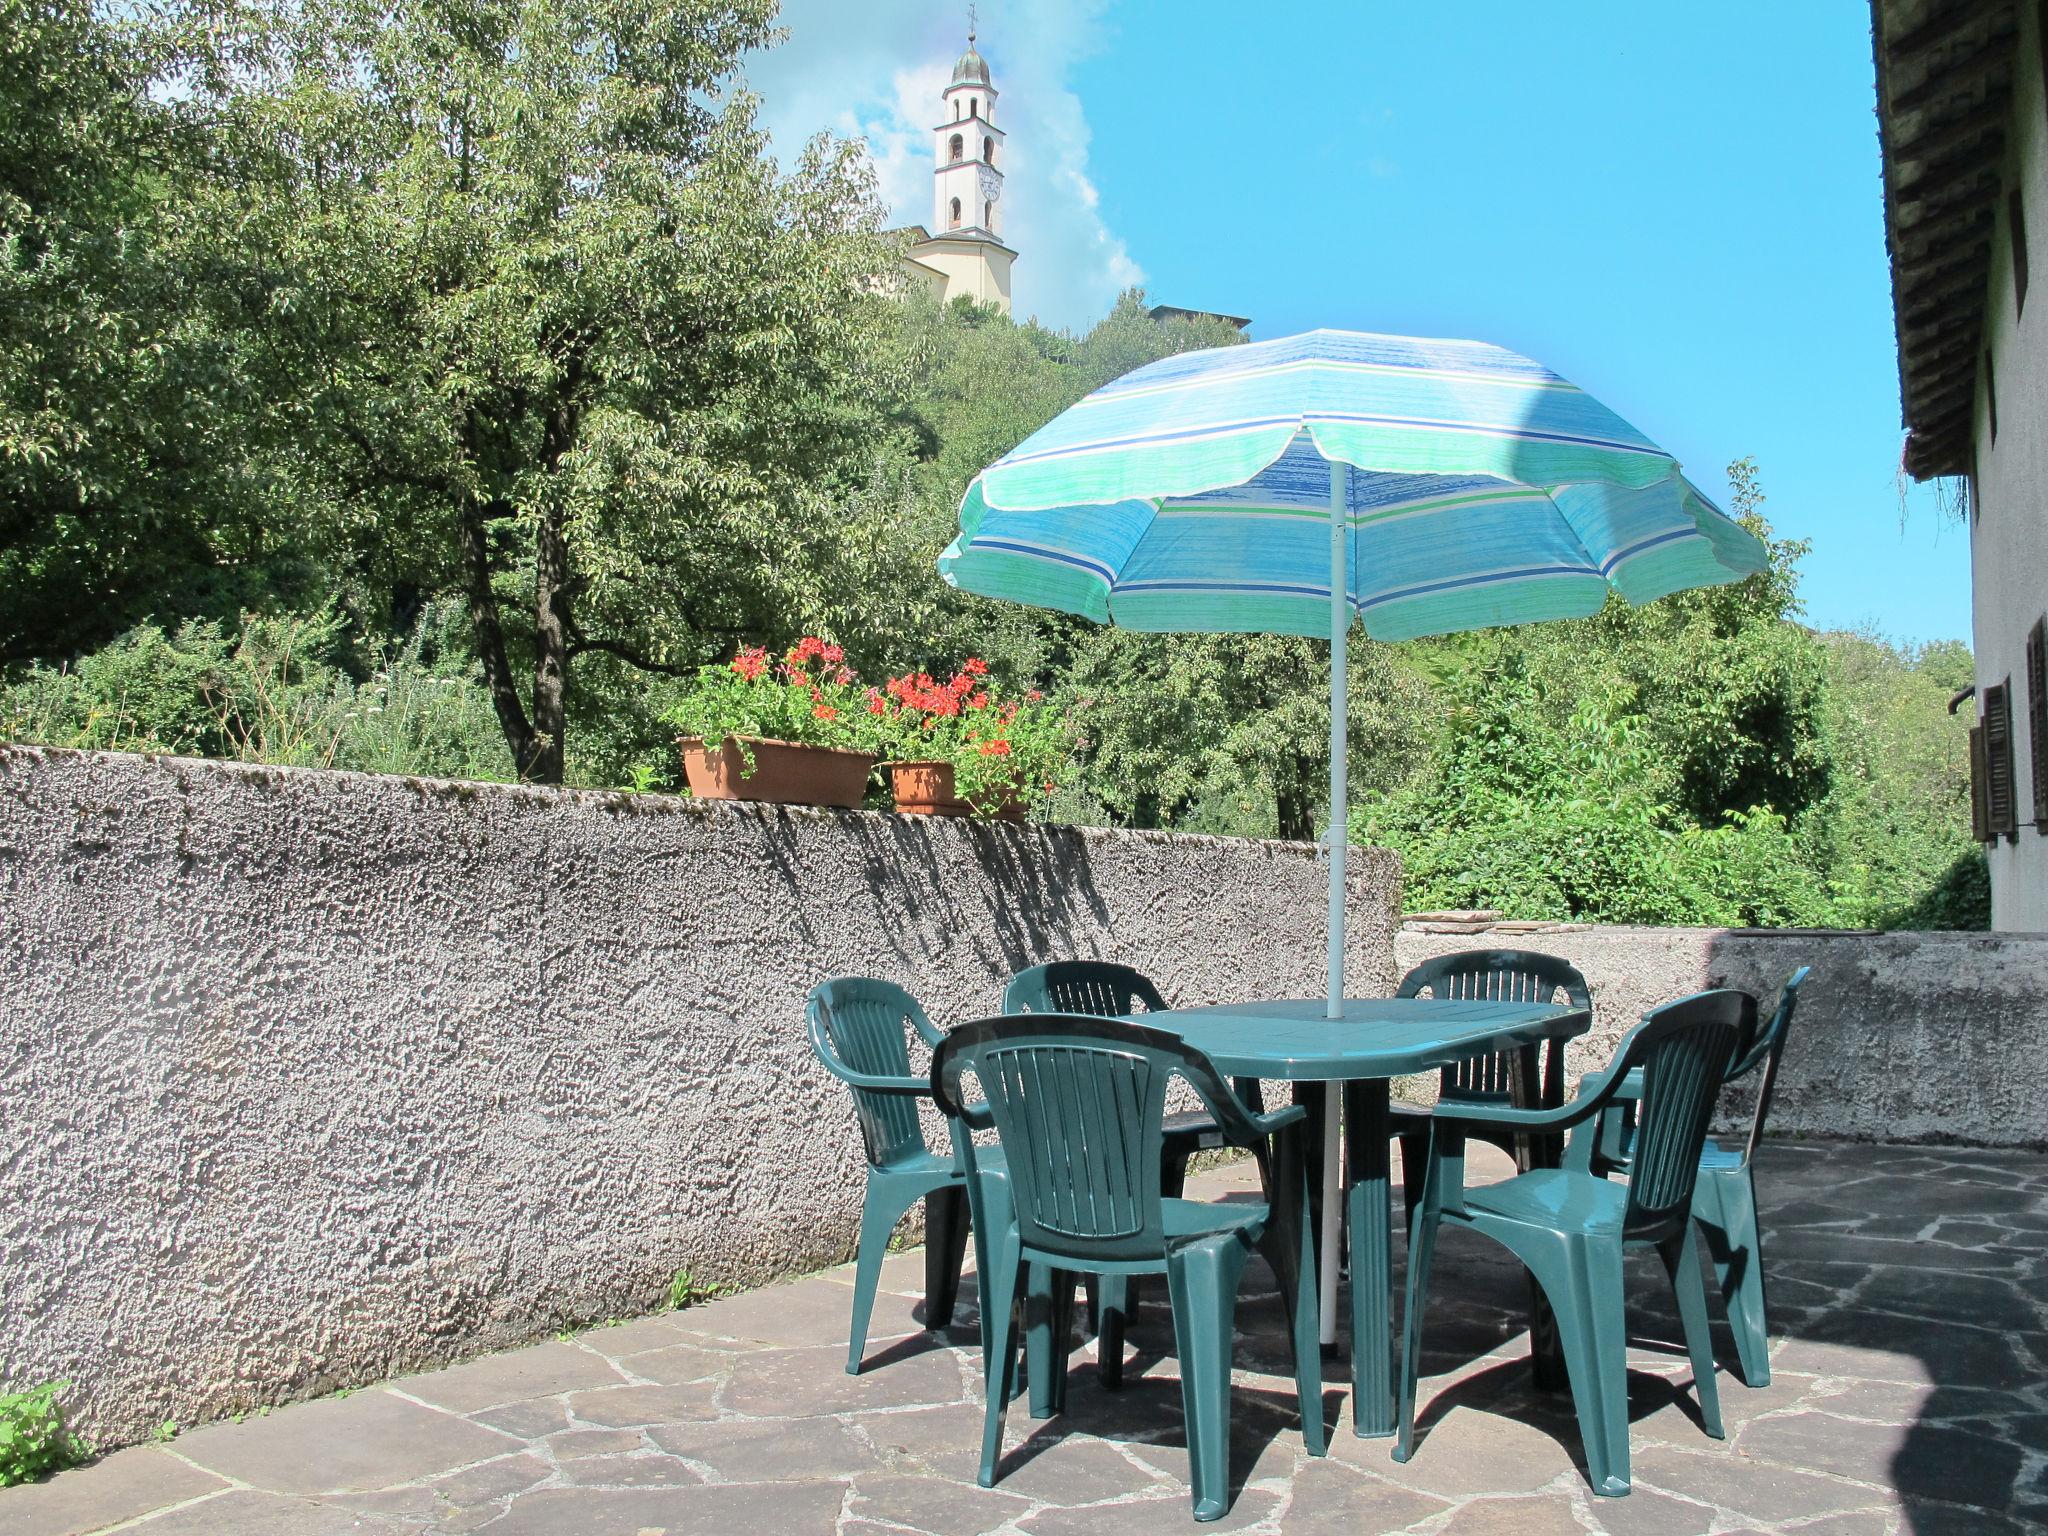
point(751, 662)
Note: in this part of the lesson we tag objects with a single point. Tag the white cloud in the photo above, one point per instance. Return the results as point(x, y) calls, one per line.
point(874, 68)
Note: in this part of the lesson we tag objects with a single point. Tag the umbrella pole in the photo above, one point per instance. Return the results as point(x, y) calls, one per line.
point(1340, 838)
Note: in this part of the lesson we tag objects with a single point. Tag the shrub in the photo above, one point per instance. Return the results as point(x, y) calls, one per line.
point(276, 691)
point(33, 1439)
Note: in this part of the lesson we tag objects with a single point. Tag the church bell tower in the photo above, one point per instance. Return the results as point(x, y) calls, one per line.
point(964, 249)
point(968, 180)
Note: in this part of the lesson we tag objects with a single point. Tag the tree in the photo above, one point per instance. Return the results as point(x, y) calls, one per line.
point(121, 460)
point(554, 330)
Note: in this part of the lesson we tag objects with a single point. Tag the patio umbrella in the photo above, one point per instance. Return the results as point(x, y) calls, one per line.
point(1289, 487)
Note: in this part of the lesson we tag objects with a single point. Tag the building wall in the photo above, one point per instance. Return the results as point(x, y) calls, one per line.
point(1925, 1037)
point(2009, 523)
point(309, 1078)
point(973, 268)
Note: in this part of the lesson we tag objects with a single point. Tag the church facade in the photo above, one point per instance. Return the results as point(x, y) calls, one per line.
point(961, 254)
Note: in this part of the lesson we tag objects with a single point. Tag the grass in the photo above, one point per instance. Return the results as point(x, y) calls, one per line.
point(685, 1290)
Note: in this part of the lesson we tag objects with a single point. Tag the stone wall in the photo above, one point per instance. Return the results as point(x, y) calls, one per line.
point(306, 1078)
point(1924, 1037)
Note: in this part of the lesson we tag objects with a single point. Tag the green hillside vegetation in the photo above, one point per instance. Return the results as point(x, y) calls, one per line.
point(432, 394)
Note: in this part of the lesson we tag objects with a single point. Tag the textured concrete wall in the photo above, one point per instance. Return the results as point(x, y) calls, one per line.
point(1926, 1037)
point(306, 1078)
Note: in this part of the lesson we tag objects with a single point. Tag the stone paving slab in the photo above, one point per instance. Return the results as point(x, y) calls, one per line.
point(1909, 1398)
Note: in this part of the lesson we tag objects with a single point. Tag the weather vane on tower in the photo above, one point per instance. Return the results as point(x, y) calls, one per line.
point(970, 23)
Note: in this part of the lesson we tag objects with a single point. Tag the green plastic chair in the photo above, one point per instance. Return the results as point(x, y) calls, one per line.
point(1724, 1200)
point(857, 1026)
point(1569, 1226)
point(1079, 1105)
point(1511, 1079)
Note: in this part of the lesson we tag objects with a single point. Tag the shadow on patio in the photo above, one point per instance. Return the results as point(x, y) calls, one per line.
point(1908, 1290)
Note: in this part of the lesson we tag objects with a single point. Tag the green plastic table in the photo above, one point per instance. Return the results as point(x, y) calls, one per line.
point(1376, 1040)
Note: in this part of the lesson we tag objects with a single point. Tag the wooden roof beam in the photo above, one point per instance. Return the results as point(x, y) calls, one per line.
point(1957, 75)
point(1938, 25)
point(1926, 298)
point(1941, 138)
point(1944, 237)
point(1927, 358)
point(1957, 392)
point(1963, 196)
point(1977, 157)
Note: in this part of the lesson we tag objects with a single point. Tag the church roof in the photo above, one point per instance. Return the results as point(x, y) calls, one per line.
point(971, 67)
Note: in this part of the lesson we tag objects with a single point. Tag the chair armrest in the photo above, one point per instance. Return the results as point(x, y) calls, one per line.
point(874, 1082)
point(976, 1117)
point(1631, 1086)
point(1278, 1120)
point(1595, 1091)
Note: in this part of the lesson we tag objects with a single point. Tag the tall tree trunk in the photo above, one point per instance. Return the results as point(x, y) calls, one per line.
point(487, 624)
point(550, 649)
point(1295, 814)
point(553, 583)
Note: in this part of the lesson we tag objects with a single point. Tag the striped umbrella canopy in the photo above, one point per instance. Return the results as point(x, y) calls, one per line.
point(1196, 493)
point(1292, 486)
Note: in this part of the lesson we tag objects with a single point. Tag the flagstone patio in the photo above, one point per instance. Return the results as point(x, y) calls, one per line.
point(1909, 1395)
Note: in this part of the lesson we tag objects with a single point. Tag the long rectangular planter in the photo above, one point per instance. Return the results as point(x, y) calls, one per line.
point(783, 772)
point(927, 789)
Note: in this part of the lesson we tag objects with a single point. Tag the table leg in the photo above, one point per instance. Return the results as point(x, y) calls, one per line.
point(1546, 1348)
point(1332, 1231)
point(1372, 1283)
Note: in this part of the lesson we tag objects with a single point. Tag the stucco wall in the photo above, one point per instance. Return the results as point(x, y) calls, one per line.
point(2009, 522)
point(1925, 1037)
point(306, 1078)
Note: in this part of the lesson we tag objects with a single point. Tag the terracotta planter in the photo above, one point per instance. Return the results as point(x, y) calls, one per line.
point(926, 789)
point(785, 772)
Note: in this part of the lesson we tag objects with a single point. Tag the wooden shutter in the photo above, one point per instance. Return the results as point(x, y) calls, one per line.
point(2037, 718)
point(1980, 815)
point(2001, 802)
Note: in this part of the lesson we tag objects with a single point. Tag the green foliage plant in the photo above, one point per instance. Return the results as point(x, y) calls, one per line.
point(1002, 749)
point(685, 1290)
point(808, 695)
point(278, 690)
point(33, 1439)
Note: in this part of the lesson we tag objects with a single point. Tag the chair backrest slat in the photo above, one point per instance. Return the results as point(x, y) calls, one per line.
point(865, 1021)
point(1495, 975)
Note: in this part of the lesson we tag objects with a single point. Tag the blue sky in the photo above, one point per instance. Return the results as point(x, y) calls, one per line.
point(1677, 207)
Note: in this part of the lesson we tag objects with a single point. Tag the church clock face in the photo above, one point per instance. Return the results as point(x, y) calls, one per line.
point(988, 184)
